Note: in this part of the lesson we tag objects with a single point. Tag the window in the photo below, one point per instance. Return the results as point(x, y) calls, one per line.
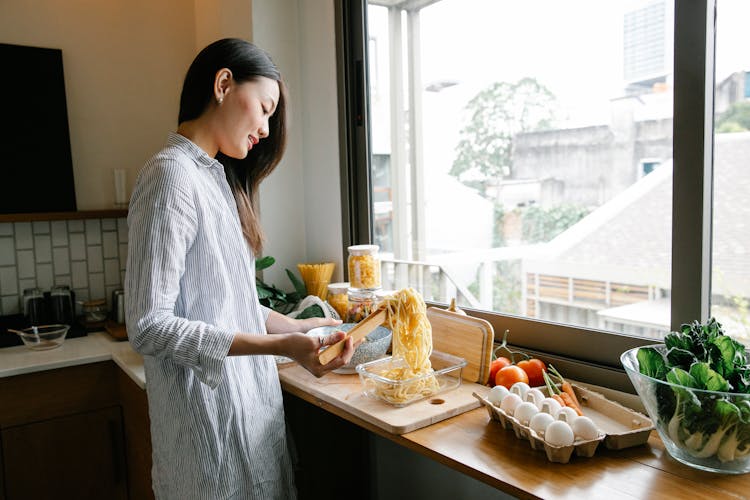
point(730, 276)
point(518, 146)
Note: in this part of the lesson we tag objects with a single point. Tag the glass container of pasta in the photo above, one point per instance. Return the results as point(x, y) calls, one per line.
point(337, 297)
point(388, 379)
point(364, 267)
point(360, 304)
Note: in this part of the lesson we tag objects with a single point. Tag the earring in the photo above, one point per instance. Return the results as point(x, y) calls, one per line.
point(220, 100)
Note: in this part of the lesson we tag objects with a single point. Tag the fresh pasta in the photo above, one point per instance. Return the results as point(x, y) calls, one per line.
point(412, 372)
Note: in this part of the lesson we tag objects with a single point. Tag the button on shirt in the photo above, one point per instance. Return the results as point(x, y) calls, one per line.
point(217, 422)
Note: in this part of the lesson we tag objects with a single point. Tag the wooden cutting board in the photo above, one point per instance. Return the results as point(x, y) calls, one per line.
point(345, 392)
point(465, 337)
point(116, 330)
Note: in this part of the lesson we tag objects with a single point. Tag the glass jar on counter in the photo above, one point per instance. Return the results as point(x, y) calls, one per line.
point(381, 295)
point(361, 304)
point(337, 297)
point(364, 267)
point(34, 306)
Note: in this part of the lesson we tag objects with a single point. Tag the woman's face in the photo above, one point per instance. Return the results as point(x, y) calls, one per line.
point(245, 112)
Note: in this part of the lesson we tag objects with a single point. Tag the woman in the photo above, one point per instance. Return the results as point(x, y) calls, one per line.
point(217, 420)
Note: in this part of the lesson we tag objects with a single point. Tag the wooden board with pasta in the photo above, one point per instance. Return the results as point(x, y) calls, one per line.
point(335, 392)
point(414, 387)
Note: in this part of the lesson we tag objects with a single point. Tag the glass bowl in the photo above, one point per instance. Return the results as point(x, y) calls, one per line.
point(700, 428)
point(42, 338)
point(377, 383)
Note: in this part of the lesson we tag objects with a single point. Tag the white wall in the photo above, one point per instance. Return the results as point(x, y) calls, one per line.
point(124, 62)
point(301, 201)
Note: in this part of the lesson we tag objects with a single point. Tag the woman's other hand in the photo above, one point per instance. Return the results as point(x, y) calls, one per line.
point(308, 324)
point(305, 349)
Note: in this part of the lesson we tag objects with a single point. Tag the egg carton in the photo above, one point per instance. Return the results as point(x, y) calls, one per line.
point(619, 427)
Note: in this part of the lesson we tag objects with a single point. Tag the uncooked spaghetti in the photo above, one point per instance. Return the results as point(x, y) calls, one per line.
point(316, 277)
point(412, 343)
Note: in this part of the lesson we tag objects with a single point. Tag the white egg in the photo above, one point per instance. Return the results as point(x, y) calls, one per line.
point(509, 403)
point(497, 394)
point(520, 388)
point(540, 421)
point(566, 414)
point(550, 406)
point(525, 411)
point(535, 396)
point(559, 433)
point(584, 428)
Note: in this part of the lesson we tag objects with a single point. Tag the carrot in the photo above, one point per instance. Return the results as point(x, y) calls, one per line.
point(567, 389)
point(569, 402)
point(554, 392)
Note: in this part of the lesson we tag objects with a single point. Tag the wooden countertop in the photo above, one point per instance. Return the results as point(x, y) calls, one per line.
point(475, 445)
point(470, 443)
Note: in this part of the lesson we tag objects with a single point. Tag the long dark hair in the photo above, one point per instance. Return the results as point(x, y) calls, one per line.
point(246, 62)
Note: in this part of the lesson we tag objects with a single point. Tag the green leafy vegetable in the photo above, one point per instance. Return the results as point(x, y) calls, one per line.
point(652, 363)
point(700, 356)
point(313, 311)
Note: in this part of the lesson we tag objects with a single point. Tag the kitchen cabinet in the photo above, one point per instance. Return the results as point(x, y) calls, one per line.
point(76, 432)
point(81, 214)
point(75, 456)
point(332, 456)
point(137, 427)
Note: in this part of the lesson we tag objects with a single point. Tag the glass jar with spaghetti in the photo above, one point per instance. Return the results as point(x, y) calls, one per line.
point(361, 304)
point(337, 297)
point(364, 267)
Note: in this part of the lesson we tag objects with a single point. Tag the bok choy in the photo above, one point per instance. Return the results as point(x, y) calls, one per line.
point(702, 357)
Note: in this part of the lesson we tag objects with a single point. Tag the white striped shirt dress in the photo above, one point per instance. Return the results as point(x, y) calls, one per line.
point(217, 422)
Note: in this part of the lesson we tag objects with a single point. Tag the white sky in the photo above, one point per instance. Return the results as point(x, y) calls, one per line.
point(573, 47)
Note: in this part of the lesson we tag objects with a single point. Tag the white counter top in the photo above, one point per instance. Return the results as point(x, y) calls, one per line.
point(96, 346)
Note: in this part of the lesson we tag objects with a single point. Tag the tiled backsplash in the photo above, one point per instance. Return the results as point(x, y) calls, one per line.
point(87, 255)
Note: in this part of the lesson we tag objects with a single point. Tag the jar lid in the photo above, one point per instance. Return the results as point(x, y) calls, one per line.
point(340, 287)
point(363, 249)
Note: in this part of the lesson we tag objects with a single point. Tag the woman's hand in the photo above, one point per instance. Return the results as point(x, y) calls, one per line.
point(305, 349)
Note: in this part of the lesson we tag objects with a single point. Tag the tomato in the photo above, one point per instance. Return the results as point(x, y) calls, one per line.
point(509, 375)
point(534, 368)
point(496, 364)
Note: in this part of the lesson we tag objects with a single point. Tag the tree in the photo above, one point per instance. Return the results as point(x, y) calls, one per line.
point(735, 119)
point(497, 113)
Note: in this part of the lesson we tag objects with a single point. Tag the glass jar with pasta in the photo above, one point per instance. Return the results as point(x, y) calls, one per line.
point(337, 297)
point(361, 304)
point(364, 267)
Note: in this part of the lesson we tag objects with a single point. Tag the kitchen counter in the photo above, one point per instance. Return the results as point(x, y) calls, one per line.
point(95, 347)
point(479, 447)
point(470, 443)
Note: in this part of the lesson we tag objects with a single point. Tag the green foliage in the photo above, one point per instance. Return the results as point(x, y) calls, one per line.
point(497, 113)
point(277, 299)
point(735, 119)
point(543, 224)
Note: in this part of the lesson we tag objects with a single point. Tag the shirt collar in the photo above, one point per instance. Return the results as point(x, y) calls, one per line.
point(200, 156)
